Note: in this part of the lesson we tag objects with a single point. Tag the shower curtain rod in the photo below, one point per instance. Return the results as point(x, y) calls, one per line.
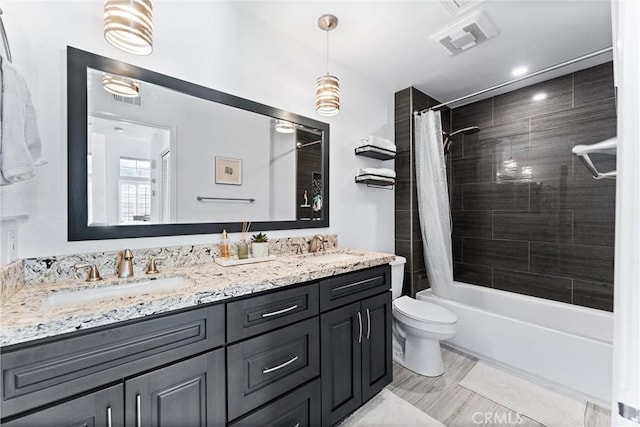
point(498, 86)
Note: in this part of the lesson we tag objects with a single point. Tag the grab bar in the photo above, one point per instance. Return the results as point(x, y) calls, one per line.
point(201, 198)
point(5, 39)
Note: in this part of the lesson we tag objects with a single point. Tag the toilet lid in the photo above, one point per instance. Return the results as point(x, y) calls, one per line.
point(424, 311)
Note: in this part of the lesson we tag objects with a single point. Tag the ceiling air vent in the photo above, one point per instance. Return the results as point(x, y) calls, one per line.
point(458, 7)
point(466, 33)
point(134, 101)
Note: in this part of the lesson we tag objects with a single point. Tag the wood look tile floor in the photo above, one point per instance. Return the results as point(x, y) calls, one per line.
point(453, 405)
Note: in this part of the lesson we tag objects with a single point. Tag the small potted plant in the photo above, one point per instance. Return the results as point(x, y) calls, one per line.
point(259, 245)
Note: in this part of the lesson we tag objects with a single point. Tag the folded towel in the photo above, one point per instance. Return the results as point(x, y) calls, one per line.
point(376, 141)
point(378, 171)
point(20, 145)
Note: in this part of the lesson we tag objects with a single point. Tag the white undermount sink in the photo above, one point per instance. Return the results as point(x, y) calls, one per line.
point(329, 258)
point(83, 296)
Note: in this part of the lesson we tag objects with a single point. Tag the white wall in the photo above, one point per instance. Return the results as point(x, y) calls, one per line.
point(214, 45)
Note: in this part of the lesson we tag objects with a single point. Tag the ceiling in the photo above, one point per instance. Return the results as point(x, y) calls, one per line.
point(388, 41)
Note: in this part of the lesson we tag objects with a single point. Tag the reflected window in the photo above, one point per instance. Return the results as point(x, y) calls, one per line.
point(134, 190)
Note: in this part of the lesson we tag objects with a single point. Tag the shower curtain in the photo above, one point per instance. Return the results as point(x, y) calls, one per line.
point(433, 203)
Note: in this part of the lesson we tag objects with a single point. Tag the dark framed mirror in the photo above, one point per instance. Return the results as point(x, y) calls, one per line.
point(153, 155)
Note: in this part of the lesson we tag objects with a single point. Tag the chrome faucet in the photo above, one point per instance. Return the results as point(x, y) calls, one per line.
point(317, 243)
point(125, 264)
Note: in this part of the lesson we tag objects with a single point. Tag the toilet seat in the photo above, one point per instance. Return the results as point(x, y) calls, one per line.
point(424, 311)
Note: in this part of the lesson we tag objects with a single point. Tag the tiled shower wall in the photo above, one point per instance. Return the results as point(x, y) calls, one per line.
point(408, 241)
point(527, 215)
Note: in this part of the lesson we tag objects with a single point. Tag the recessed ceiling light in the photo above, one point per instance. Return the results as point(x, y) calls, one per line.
point(539, 96)
point(519, 71)
point(118, 129)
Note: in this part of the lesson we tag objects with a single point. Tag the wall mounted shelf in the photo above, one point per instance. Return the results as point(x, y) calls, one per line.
point(376, 181)
point(375, 152)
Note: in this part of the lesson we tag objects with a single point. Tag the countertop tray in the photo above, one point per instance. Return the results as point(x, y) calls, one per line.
point(231, 261)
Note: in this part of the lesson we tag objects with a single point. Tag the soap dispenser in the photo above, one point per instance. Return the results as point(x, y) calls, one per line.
point(224, 246)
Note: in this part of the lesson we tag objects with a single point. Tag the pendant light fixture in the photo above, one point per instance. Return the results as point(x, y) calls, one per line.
point(327, 86)
point(120, 86)
point(128, 25)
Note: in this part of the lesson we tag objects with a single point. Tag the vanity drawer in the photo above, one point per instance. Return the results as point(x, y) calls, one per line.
point(259, 314)
point(300, 407)
point(262, 368)
point(351, 287)
point(43, 373)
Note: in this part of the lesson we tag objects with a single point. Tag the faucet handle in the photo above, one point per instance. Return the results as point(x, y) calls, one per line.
point(94, 274)
point(151, 267)
point(127, 254)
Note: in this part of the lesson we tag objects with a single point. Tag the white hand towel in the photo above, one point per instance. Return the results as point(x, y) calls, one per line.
point(20, 145)
point(377, 141)
point(378, 171)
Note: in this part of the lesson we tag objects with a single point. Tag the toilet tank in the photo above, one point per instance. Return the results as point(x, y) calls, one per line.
point(397, 276)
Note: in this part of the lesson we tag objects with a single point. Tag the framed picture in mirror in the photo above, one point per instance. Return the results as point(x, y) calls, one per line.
point(228, 171)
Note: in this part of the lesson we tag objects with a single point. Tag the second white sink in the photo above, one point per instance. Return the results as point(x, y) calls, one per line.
point(329, 258)
point(83, 296)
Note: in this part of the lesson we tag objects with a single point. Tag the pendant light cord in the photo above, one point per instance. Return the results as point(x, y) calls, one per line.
point(327, 31)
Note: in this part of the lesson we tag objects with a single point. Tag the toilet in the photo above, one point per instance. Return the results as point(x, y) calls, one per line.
point(418, 328)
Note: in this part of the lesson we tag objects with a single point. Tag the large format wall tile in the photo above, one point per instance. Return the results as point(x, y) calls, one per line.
point(474, 274)
point(593, 84)
point(539, 195)
point(536, 226)
point(520, 103)
point(591, 263)
point(472, 224)
point(594, 227)
point(477, 114)
point(507, 137)
point(496, 253)
point(555, 288)
point(472, 170)
point(593, 294)
point(506, 196)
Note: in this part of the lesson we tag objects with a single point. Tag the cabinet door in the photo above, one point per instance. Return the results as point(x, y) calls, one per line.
point(102, 408)
point(341, 334)
point(377, 366)
point(187, 394)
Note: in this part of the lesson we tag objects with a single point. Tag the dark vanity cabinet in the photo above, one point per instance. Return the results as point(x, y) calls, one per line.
point(101, 408)
point(356, 341)
point(306, 355)
point(187, 393)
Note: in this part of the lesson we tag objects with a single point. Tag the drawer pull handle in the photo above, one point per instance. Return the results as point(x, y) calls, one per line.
point(275, 368)
point(284, 310)
point(138, 420)
point(368, 324)
point(108, 416)
point(360, 323)
point(351, 285)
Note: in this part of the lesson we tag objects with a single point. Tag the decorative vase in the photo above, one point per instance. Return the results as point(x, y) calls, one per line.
point(243, 249)
point(260, 250)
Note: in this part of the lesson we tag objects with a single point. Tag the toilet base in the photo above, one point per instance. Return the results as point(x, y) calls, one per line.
point(422, 356)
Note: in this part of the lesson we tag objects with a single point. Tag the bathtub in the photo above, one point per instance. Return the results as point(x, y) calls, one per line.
point(566, 347)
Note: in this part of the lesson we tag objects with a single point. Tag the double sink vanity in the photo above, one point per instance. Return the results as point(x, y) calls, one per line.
point(301, 340)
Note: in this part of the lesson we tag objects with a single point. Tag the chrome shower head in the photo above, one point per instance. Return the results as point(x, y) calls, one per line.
point(465, 131)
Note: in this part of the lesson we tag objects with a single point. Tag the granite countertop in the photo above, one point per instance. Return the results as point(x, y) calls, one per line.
point(25, 317)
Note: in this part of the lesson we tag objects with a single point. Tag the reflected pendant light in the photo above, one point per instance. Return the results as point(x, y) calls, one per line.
point(120, 86)
point(283, 126)
point(128, 25)
point(327, 86)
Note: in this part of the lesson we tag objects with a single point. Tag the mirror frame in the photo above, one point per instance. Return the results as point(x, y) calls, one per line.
point(78, 61)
